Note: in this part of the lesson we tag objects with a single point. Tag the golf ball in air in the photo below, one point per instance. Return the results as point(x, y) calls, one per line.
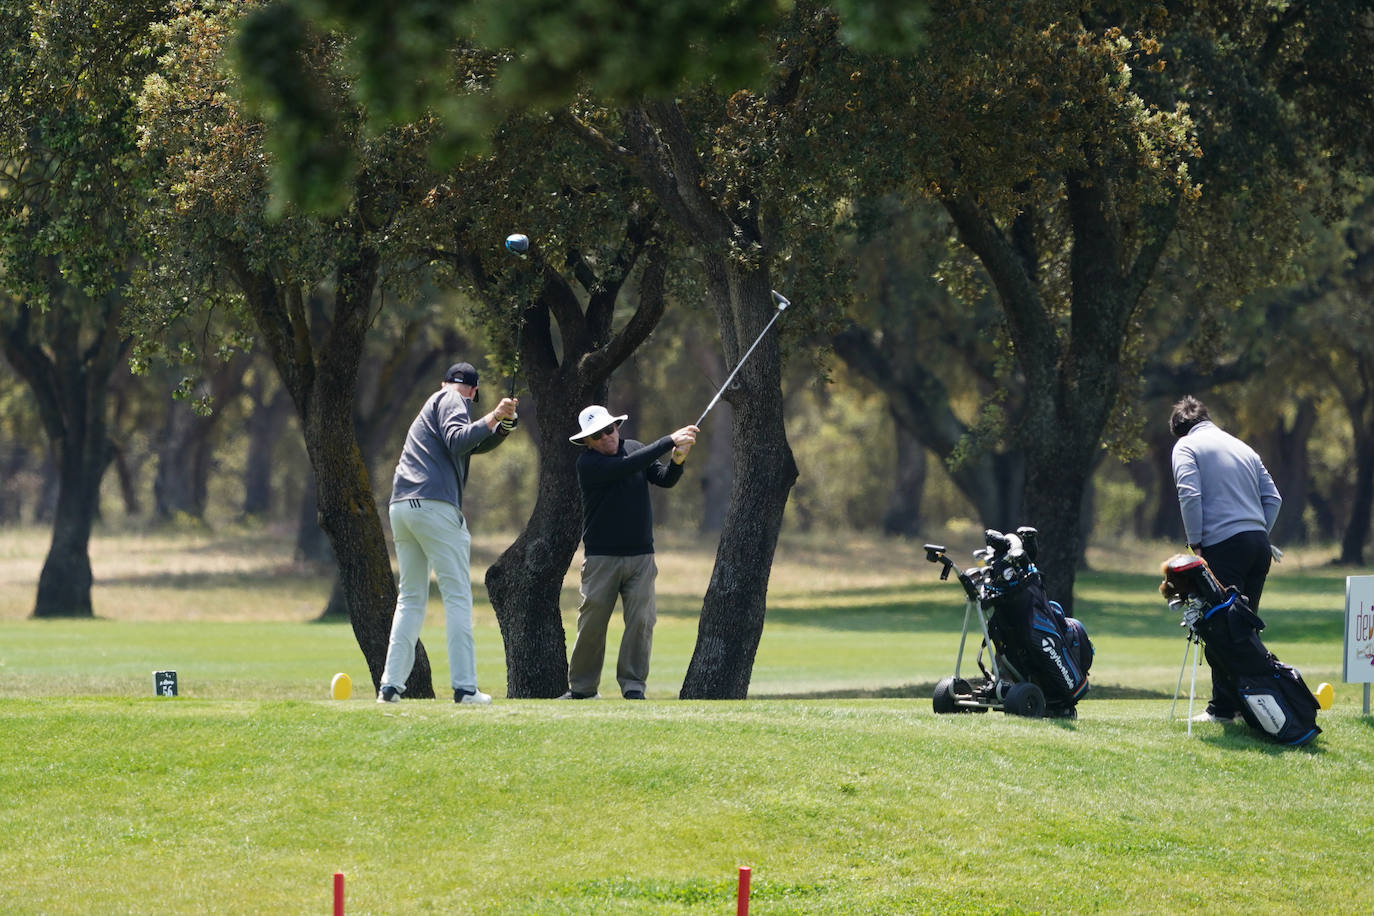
point(341, 688)
point(517, 243)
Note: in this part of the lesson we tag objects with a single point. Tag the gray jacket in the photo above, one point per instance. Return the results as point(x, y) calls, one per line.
point(441, 440)
point(1223, 486)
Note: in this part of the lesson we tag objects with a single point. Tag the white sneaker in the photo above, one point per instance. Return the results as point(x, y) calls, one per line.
point(574, 695)
point(1206, 716)
point(389, 695)
point(476, 698)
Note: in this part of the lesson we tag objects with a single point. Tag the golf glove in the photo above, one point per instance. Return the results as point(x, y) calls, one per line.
point(1276, 553)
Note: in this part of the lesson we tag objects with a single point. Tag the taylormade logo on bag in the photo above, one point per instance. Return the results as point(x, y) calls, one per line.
point(1268, 711)
point(1047, 646)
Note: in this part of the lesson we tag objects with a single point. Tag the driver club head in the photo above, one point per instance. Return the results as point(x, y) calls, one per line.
point(780, 300)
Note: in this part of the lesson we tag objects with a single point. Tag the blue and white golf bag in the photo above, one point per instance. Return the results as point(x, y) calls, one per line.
point(1271, 696)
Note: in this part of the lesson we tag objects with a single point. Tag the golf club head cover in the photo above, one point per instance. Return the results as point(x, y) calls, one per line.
point(1189, 577)
point(999, 542)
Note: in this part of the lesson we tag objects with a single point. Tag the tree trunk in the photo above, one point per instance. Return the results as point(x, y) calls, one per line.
point(1357, 528)
point(128, 482)
point(526, 581)
point(266, 424)
point(49, 488)
point(348, 515)
point(1357, 395)
point(312, 546)
point(185, 453)
point(1071, 379)
point(71, 384)
point(1291, 469)
point(732, 612)
point(16, 461)
point(64, 585)
point(716, 472)
point(1165, 521)
point(903, 516)
point(661, 151)
point(318, 363)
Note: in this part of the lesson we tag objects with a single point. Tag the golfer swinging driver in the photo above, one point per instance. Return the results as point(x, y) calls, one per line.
point(614, 477)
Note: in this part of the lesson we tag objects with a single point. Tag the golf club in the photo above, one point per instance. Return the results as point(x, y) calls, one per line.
point(782, 304)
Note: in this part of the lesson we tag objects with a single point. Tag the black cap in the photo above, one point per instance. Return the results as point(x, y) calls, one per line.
point(463, 373)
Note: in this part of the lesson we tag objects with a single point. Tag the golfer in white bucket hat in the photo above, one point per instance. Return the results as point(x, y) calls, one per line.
point(618, 546)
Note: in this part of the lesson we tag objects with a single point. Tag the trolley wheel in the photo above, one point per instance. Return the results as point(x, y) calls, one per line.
point(1025, 699)
point(942, 701)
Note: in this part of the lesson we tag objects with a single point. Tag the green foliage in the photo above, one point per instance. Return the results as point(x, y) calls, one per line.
point(895, 27)
point(213, 209)
point(539, 55)
point(70, 176)
point(311, 118)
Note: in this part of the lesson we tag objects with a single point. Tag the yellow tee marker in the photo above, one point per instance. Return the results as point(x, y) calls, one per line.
point(341, 688)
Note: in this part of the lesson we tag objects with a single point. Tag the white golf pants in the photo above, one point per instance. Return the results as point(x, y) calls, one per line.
point(430, 534)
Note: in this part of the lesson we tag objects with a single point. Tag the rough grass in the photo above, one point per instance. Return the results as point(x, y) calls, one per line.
point(250, 790)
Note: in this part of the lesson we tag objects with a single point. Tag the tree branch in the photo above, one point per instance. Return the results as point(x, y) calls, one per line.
point(1019, 295)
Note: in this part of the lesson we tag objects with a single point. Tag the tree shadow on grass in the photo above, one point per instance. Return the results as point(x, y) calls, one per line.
point(924, 691)
point(186, 581)
point(1135, 609)
point(1108, 603)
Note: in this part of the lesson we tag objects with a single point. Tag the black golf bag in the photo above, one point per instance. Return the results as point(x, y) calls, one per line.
point(1037, 639)
point(1271, 696)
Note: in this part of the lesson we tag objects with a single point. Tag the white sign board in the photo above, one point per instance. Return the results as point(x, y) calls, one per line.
point(1359, 630)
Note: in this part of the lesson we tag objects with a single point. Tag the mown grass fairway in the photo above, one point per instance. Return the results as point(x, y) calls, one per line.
point(248, 792)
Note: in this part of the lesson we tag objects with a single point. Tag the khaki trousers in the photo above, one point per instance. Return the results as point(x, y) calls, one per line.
point(603, 579)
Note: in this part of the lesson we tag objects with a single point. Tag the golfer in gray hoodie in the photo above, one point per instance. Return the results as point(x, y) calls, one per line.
point(1229, 504)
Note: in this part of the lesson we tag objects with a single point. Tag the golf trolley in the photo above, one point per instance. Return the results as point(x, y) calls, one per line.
point(1038, 658)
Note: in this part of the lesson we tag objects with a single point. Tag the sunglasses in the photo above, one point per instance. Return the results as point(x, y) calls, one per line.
point(604, 432)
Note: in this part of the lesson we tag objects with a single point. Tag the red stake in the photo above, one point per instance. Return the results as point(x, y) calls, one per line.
point(742, 903)
point(338, 893)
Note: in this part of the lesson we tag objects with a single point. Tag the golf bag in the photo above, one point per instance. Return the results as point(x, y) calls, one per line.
point(1039, 641)
point(1271, 696)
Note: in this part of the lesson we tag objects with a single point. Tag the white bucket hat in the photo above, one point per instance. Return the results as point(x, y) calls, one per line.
point(592, 419)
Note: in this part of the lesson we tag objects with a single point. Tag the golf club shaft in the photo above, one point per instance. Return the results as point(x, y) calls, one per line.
point(1192, 688)
point(782, 304)
point(1183, 666)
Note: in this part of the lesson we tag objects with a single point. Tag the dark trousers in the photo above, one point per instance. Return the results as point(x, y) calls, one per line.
point(1241, 560)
